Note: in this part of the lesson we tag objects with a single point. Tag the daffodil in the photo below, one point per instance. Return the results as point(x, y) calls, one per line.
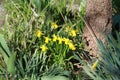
point(95, 65)
point(71, 46)
point(55, 38)
point(54, 26)
point(44, 48)
point(73, 33)
point(38, 33)
point(67, 41)
point(60, 40)
point(67, 28)
point(47, 39)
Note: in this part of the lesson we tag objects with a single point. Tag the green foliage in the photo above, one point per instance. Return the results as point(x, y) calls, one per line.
point(55, 73)
point(116, 23)
point(8, 57)
point(54, 78)
point(110, 57)
point(108, 67)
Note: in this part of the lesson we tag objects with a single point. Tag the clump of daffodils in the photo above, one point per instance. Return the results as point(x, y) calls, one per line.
point(65, 40)
point(57, 39)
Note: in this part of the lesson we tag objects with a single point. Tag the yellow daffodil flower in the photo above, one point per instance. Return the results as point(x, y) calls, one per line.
point(95, 65)
point(71, 46)
point(67, 41)
point(67, 28)
point(60, 40)
point(54, 26)
point(55, 38)
point(38, 33)
point(73, 33)
point(43, 48)
point(47, 39)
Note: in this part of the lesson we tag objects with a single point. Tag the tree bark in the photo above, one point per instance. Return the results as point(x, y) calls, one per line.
point(99, 16)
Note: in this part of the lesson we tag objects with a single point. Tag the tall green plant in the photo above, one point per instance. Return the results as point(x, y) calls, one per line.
point(110, 57)
point(108, 66)
point(9, 57)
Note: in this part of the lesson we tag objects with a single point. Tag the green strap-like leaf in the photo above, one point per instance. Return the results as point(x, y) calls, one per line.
point(54, 78)
point(4, 45)
point(8, 57)
point(4, 50)
point(11, 63)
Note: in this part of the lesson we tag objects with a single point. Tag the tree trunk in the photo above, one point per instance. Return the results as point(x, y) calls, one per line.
point(99, 16)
